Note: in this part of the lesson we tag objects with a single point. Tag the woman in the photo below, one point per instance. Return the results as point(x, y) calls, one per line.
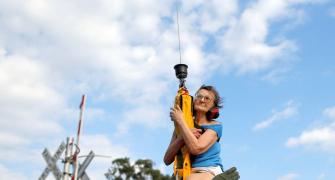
point(204, 146)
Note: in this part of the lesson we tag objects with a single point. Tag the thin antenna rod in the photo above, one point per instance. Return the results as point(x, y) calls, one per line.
point(178, 33)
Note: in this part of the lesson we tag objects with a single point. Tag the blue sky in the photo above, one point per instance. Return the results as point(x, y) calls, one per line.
point(271, 60)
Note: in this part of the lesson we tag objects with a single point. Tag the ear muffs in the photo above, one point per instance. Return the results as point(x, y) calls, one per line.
point(213, 113)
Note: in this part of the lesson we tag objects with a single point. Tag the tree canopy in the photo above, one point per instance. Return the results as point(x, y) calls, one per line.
point(142, 169)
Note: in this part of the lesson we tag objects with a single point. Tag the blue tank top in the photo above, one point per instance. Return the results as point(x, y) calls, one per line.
point(212, 156)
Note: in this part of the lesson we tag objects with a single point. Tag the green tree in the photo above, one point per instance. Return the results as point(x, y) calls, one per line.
point(142, 169)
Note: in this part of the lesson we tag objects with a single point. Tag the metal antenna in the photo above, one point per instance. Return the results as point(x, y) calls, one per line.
point(178, 32)
point(180, 69)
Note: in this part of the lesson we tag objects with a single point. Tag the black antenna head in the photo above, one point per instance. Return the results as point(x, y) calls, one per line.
point(181, 71)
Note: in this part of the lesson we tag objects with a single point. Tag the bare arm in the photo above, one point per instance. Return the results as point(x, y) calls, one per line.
point(201, 145)
point(196, 146)
point(175, 144)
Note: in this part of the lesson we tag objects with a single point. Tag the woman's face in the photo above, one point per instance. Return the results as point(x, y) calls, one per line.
point(204, 100)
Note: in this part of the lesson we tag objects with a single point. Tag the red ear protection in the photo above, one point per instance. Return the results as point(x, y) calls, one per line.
point(213, 113)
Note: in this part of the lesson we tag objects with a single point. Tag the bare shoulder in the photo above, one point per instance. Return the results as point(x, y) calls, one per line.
point(214, 122)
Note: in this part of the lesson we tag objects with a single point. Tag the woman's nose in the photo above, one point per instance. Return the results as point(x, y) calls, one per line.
point(202, 99)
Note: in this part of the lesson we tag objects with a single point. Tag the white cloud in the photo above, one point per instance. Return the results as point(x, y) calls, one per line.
point(290, 176)
point(320, 138)
point(289, 111)
point(30, 106)
point(102, 145)
point(11, 139)
point(105, 152)
point(31, 114)
point(148, 115)
point(276, 75)
point(8, 174)
point(127, 47)
point(247, 45)
point(119, 52)
point(243, 39)
point(122, 49)
point(330, 113)
point(210, 16)
point(112, 51)
point(321, 176)
point(332, 12)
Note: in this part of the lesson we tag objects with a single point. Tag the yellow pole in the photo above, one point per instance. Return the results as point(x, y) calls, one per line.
point(182, 163)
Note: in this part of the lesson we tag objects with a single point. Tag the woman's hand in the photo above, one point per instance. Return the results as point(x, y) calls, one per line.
point(176, 114)
point(196, 132)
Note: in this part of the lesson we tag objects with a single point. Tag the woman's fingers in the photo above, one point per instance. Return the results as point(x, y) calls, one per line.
point(196, 132)
point(175, 109)
point(172, 113)
point(175, 113)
